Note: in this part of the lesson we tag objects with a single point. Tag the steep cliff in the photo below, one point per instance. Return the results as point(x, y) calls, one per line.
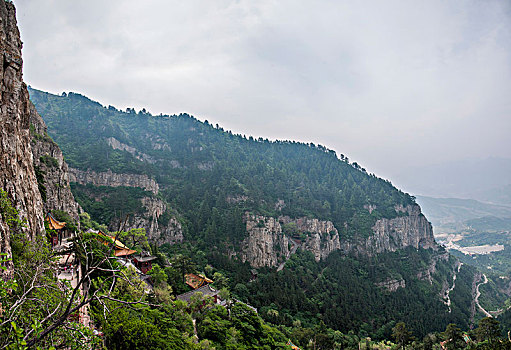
point(51, 169)
point(111, 179)
point(150, 211)
point(265, 245)
point(321, 236)
point(266, 237)
point(268, 245)
point(17, 176)
point(410, 229)
point(159, 225)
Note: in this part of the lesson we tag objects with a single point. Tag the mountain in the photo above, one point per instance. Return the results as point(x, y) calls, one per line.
point(334, 246)
point(452, 213)
point(331, 242)
point(486, 180)
point(207, 179)
point(497, 195)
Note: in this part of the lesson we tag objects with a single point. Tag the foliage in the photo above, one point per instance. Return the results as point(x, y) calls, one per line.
point(64, 216)
point(115, 202)
point(32, 299)
point(49, 161)
point(488, 329)
point(9, 213)
point(453, 337)
point(211, 175)
point(135, 239)
point(39, 174)
point(402, 335)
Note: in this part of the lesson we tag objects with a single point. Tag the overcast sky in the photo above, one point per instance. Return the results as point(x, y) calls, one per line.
point(390, 84)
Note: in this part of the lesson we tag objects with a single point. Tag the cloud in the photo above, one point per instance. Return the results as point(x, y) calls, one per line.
point(390, 84)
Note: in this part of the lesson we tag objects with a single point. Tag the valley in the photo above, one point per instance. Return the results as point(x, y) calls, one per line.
point(123, 229)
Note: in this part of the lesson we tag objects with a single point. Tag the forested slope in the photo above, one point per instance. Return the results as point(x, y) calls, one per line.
point(230, 194)
point(199, 166)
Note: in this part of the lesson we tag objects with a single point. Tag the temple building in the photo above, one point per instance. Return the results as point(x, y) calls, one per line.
point(58, 228)
point(143, 262)
point(196, 281)
point(120, 250)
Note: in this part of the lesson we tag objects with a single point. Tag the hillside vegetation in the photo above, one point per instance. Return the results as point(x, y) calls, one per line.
point(210, 175)
point(211, 178)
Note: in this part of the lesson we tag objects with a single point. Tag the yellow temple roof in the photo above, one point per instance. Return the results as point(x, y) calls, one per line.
point(54, 224)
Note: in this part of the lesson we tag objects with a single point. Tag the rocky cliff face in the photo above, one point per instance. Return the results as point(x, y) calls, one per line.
point(116, 144)
point(267, 245)
point(322, 236)
point(17, 176)
point(158, 230)
point(51, 169)
point(411, 229)
point(111, 179)
point(161, 227)
point(392, 284)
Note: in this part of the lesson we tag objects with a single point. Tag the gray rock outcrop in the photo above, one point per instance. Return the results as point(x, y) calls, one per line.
point(391, 285)
point(410, 230)
point(49, 161)
point(111, 179)
point(268, 245)
point(265, 245)
point(116, 144)
point(159, 232)
point(322, 236)
point(17, 176)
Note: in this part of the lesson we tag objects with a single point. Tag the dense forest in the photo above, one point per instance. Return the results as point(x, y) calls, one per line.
point(200, 166)
point(130, 315)
point(211, 177)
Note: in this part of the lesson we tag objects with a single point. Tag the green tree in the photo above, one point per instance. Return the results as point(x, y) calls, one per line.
point(488, 329)
point(158, 275)
point(401, 334)
point(453, 337)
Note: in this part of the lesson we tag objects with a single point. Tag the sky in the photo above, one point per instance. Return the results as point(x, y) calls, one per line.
point(390, 84)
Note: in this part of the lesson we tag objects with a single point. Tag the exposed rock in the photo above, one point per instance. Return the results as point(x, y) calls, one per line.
point(390, 235)
point(17, 176)
point(116, 144)
point(234, 199)
point(205, 165)
point(280, 204)
point(370, 207)
point(49, 160)
point(322, 236)
point(157, 231)
point(266, 245)
point(392, 285)
point(427, 273)
point(175, 164)
point(158, 143)
point(111, 179)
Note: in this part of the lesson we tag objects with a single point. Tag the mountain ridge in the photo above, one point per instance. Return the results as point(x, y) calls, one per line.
point(172, 148)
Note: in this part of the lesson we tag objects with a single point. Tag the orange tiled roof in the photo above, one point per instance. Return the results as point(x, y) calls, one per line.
point(124, 252)
point(120, 248)
point(54, 224)
point(196, 281)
